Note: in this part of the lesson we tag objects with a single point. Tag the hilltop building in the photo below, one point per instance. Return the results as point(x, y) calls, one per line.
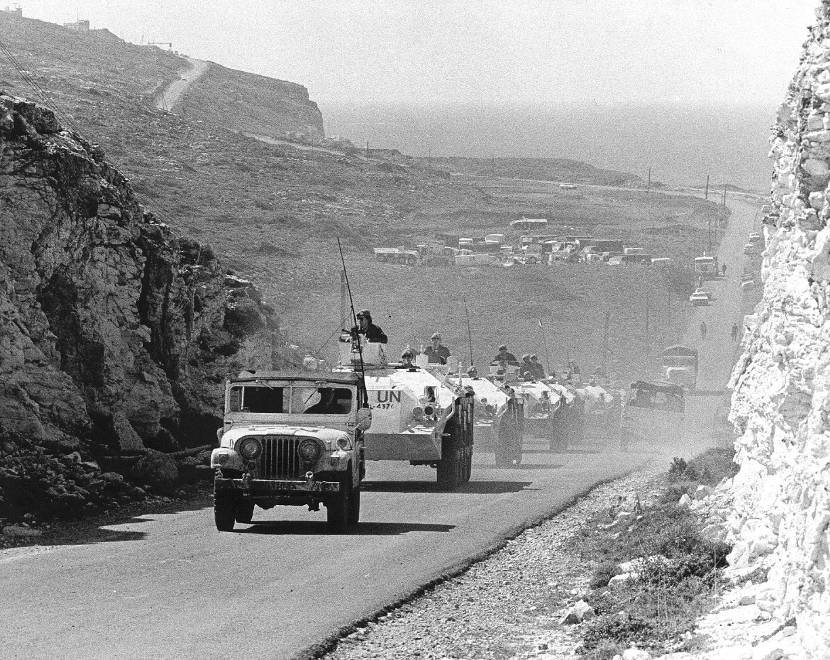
point(78, 26)
point(15, 10)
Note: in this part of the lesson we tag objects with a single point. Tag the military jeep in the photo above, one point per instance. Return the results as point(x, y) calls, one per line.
point(293, 439)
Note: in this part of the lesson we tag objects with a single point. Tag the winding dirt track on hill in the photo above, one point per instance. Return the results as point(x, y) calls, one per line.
point(168, 97)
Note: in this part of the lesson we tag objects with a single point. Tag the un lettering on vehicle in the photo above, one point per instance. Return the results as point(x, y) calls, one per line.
point(385, 399)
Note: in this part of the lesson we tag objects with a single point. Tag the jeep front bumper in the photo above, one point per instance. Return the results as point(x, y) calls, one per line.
point(271, 487)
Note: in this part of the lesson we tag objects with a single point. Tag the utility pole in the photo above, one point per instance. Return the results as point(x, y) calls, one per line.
point(706, 193)
point(648, 313)
point(367, 148)
point(648, 185)
point(723, 201)
point(606, 326)
point(709, 235)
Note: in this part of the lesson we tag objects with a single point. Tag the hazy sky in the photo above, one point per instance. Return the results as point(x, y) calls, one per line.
point(503, 52)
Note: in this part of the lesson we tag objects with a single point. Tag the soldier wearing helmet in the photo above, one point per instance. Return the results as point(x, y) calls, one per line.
point(437, 353)
point(407, 358)
point(505, 357)
point(369, 330)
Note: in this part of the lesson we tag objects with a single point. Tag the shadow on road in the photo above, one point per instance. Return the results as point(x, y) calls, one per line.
point(314, 528)
point(470, 488)
point(98, 528)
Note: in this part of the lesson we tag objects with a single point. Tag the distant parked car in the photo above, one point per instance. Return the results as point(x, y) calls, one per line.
point(660, 261)
point(699, 298)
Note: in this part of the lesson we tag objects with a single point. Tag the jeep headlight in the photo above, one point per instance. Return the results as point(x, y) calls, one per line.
point(344, 443)
point(250, 449)
point(309, 450)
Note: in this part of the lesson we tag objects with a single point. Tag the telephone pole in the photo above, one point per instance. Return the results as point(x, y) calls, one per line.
point(706, 193)
point(648, 184)
point(606, 326)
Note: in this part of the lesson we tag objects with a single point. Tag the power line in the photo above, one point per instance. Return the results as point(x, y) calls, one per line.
point(43, 95)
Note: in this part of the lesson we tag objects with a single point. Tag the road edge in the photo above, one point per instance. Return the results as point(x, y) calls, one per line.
point(457, 569)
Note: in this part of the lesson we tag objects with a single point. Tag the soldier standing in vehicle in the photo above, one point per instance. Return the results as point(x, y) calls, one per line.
point(536, 368)
point(526, 368)
point(505, 357)
point(369, 330)
point(437, 353)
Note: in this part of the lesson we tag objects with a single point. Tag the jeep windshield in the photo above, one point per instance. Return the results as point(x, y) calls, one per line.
point(290, 398)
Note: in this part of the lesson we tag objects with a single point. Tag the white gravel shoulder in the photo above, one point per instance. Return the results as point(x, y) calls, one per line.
point(508, 605)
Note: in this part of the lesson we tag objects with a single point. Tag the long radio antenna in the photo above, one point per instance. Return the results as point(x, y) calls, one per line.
point(354, 315)
point(469, 333)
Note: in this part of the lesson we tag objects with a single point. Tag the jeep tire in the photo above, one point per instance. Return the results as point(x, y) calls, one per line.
point(340, 507)
point(223, 513)
point(244, 510)
point(354, 507)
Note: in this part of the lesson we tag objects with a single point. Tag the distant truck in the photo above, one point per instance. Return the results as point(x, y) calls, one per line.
point(680, 365)
point(706, 267)
point(291, 439)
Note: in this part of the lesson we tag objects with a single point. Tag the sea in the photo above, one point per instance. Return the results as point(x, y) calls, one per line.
point(681, 144)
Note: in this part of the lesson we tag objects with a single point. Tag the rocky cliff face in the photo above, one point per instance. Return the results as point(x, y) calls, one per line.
point(115, 334)
point(260, 105)
point(781, 403)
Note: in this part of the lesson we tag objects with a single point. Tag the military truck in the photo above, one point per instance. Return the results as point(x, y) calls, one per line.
point(416, 416)
point(292, 439)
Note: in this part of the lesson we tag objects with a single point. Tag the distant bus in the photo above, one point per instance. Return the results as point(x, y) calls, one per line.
point(529, 224)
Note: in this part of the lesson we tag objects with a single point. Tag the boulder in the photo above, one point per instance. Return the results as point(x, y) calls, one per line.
point(125, 436)
point(157, 470)
point(577, 613)
point(18, 531)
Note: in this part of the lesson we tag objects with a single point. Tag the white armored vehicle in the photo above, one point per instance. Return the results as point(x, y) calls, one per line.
point(291, 439)
point(416, 417)
point(499, 418)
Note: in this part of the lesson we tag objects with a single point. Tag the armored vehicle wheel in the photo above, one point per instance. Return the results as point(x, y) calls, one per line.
point(223, 513)
point(558, 434)
point(340, 507)
point(468, 465)
point(509, 442)
point(449, 469)
point(244, 511)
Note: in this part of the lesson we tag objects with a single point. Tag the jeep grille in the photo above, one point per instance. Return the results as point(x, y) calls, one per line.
point(279, 459)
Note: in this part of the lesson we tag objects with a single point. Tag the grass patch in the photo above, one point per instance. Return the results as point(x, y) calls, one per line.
point(676, 571)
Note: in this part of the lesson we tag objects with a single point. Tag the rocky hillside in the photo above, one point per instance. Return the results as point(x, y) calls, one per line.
point(781, 402)
point(253, 104)
point(116, 334)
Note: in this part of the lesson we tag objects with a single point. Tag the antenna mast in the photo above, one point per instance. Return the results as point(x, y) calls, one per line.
point(469, 334)
point(354, 316)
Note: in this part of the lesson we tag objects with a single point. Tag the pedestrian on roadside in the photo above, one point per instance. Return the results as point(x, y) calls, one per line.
point(734, 332)
point(703, 329)
point(723, 270)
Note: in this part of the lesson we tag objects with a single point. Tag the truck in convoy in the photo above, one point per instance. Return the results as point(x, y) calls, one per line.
point(680, 364)
point(654, 413)
point(416, 416)
point(291, 439)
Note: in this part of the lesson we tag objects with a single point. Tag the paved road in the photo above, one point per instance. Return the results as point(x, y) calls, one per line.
point(168, 97)
point(717, 353)
point(171, 586)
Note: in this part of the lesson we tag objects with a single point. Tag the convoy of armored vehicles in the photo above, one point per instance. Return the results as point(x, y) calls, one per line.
point(304, 438)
